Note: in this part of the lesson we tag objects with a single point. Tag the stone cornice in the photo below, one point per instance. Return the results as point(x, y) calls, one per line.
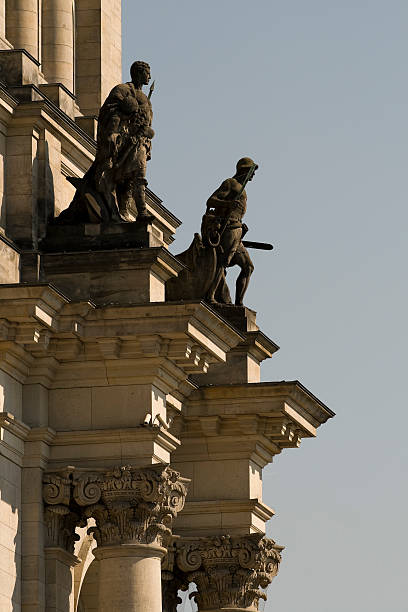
point(42, 434)
point(241, 436)
point(159, 343)
point(130, 434)
point(258, 345)
point(233, 516)
point(45, 111)
point(260, 509)
point(24, 303)
point(260, 398)
point(9, 422)
point(13, 434)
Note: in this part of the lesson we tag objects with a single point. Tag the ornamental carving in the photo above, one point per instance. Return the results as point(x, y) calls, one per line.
point(129, 505)
point(60, 520)
point(173, 579)
point(229, 571)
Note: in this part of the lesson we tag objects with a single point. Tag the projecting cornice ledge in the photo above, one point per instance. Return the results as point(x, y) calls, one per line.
point(265, 399)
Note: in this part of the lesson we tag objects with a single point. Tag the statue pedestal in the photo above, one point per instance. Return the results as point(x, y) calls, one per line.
point(241, 317)
point(113, 263)
point(121, 276)
point(101, 236)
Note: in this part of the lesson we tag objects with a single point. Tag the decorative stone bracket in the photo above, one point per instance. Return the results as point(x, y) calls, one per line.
point(130, 505)
point(229, 571)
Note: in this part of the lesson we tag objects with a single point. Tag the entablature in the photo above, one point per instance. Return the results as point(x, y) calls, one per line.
point(256, 421)
point(63, 341)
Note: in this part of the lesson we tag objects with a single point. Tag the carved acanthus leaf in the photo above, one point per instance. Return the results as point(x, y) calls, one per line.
point(229, 571)
point(129, 504)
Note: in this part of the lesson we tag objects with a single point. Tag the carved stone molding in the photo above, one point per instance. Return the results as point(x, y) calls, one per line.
point(130, 505)
point(229, 571)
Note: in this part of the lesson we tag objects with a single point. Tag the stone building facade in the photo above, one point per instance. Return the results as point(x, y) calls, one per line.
point(134, 431)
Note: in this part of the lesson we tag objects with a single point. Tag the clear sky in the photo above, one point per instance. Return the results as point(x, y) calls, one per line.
point(316, 91)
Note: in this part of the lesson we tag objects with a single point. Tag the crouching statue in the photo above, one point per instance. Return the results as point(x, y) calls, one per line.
point(220, 245)
point(113, 189)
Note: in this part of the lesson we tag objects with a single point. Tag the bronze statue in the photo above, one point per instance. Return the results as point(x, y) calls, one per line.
point(114, 186)
point(220, 245)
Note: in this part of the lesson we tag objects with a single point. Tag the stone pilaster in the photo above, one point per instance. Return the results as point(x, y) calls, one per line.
point(229, 571)
point(60, 523)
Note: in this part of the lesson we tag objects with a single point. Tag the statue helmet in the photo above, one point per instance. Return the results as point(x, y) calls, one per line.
point(244, 164)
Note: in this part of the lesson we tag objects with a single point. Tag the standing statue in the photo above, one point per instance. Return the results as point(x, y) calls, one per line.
point(113, 189)
point(222, 228)
point(219, 246)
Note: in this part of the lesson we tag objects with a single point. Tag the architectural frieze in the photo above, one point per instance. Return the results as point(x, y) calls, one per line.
point(130, 505)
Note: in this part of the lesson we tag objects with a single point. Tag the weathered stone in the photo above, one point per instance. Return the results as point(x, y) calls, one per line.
point(121, 276)
point(100, 369)
point(19, 67)
point(230, 572)
point(219, 246)
point(60, 96)
point(114, 186)
point(130, 505)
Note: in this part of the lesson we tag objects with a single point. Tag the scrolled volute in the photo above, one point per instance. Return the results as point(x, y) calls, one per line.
point(57, 488)
point(86, 489)
point(128, 504)
point(229, 571)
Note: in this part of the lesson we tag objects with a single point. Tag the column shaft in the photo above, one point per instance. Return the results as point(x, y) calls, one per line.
point(58, 42)
point(130, 578)
point(22, 21)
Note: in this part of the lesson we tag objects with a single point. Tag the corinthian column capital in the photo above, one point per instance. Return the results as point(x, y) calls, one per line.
point(130, 505)
point(229, 571)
